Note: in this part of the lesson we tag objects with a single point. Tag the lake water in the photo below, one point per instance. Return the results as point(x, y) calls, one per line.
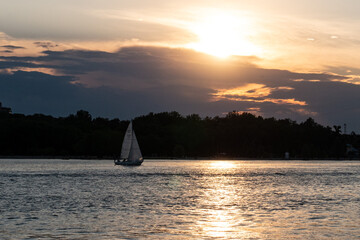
point(77, 199)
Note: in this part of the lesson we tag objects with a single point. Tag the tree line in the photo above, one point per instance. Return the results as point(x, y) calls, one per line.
point(171, 135)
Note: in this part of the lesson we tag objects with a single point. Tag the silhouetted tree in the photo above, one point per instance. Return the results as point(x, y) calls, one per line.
point(169, 134)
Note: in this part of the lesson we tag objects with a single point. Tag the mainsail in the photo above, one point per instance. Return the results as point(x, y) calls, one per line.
point(125, 149)
point(130, 149)
point(135, 152)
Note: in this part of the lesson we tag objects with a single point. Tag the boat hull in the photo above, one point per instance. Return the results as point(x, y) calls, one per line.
point(128, 164)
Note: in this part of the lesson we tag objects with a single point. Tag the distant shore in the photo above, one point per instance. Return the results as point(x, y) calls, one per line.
point(184, 159)
point(169, 135)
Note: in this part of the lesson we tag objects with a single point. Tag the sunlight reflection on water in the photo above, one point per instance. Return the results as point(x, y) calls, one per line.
point(222, 164)
point(221, 219)
point(179, 200)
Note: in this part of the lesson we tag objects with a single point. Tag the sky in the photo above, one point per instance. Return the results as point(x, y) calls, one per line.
point(121, 59)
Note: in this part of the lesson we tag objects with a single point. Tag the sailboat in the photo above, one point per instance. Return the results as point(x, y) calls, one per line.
point(130, 150)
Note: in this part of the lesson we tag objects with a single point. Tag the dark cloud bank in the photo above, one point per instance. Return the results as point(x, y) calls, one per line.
point(138, 80)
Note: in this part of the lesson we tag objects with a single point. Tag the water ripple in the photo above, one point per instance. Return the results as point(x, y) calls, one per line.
point(56, 199)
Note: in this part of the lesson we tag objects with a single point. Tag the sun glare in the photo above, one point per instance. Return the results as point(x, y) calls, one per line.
point(223, 35)
point(222, 164)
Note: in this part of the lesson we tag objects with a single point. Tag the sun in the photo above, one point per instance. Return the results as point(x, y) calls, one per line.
point(223, 34)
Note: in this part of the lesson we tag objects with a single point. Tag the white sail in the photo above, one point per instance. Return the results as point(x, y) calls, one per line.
point(130, 150)
point(126, 146)
point(135, 152)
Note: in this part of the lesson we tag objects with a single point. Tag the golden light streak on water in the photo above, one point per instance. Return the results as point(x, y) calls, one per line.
point(221, 220)
point(222, 164)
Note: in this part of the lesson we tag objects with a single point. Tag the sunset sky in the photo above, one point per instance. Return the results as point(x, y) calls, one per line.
point(115, 58)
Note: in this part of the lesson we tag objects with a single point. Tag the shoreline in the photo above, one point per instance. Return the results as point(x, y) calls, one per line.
point(65, 158)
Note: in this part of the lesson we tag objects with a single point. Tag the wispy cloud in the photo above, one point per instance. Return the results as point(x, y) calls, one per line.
point(12, 47)
point(258, 93)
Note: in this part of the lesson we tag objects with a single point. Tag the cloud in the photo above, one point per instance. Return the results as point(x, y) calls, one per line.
point(156, 65)
point(12, 47)
point(83, 26)
point(255, 93)
point(46, 44)
point(9, 49)
point(4, 36)
point(34, 92)
point(138, 80)
point(343, 70)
